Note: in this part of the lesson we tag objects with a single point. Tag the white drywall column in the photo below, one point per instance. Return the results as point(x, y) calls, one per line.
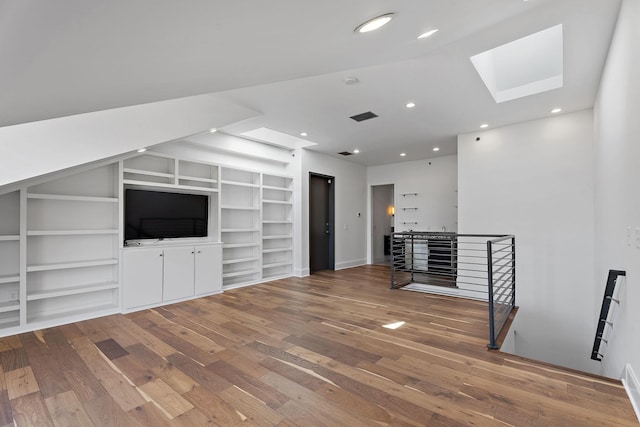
point(535, 180)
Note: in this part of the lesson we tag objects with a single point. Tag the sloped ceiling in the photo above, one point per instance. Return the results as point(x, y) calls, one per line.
point(287, 59)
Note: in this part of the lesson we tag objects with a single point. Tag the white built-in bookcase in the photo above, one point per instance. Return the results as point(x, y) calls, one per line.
point(277, 226)
point(10, 259)
point(72, 246)
point(61, 237)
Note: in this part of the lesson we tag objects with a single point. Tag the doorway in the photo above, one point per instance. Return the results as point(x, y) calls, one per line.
point(321, 222)
point(382, 223)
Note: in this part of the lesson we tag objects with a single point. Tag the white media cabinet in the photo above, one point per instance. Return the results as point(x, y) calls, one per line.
point(62, 257)
point(166, 274)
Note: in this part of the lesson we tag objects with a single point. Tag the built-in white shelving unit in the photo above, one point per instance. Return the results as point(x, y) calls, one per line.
point(72, 264)
point(240, 226)
point(168, 173)
point(277, 226)
point(10, 260)
point(61, 249)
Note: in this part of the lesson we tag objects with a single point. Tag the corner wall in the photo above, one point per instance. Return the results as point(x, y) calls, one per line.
point(617, 110)
point(535, 180)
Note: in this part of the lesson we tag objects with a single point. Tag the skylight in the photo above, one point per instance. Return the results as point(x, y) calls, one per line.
point(523, 67)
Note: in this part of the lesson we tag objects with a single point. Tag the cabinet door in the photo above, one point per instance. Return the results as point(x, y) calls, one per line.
point(142, 277)
point(208, 269)
point(178, 272)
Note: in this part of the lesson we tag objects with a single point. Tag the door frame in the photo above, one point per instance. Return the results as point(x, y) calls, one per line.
point(332, 217)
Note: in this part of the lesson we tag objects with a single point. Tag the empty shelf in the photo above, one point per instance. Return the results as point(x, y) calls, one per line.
point(72, 290)
point(72, 198)
point(68, 265)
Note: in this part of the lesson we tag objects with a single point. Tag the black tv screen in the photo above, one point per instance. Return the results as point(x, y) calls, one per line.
point(160, 215)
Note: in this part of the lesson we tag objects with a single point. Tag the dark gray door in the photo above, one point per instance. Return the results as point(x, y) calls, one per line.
point(321, 218)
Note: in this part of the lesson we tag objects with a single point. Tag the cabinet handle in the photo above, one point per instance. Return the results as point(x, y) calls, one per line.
point(199, 252)
point(192, 252)
point(161, 255)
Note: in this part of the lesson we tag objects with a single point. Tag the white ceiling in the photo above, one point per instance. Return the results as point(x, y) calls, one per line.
point(288, 58)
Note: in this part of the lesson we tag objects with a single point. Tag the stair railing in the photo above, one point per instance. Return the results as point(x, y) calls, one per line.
point(603, 319)
point(501, 282)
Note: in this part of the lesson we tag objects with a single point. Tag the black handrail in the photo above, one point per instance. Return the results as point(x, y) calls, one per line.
point(499, 287)
point(609, 290)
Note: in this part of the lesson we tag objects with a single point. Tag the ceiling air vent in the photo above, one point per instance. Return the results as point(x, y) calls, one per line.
point(364, 116)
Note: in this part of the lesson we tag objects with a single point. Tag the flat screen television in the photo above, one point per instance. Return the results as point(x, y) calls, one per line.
point(161, 215)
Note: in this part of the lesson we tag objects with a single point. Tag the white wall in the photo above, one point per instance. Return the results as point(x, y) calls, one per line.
point(617, 110)
point(436, 182)
point(350, 200)
point(536, 180)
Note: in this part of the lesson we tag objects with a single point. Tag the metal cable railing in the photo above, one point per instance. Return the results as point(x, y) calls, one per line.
point(478, 266)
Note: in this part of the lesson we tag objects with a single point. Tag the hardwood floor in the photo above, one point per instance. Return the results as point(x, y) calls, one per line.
point(294, 352)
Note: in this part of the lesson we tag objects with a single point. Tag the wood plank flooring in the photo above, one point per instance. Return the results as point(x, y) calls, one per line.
point(296, 352)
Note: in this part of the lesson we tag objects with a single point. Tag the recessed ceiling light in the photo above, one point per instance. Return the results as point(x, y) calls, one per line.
point(142, 150)
point(483, 126)
point(428, 34)
point(410, 104)
point(374, 23)
point(213, 130)
point(436, 148)
point(303, 134)
point(356, 151)
point(556, 110)
point(403, 154)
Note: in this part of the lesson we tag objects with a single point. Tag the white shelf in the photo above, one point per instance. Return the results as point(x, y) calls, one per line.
point(284, 236)
point(240, 245)
point(73, 290)
point(171, 186)
point(69, 232)
point(276, 202)
point(195, 178)
point(240, 184)
point(240, 273)
point(239, 260)
point(272, 221)
point(9, 306)
point(148, 173)
point(72, 198)
point(240, 208)
point(9, 238)
point(9, 278)
point(84, 312)
point(276, 250)
point(276, 264)
point(69, 265)
point(269, 187)
point(239, 230)
point(10, 321)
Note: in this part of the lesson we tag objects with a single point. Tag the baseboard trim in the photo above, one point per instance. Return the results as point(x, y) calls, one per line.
point(632, 386)
point(301, 272)
point(350, 264)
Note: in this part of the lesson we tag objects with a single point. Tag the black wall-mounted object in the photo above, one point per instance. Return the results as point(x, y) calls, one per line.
point(164, 215)
point(609, 290)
